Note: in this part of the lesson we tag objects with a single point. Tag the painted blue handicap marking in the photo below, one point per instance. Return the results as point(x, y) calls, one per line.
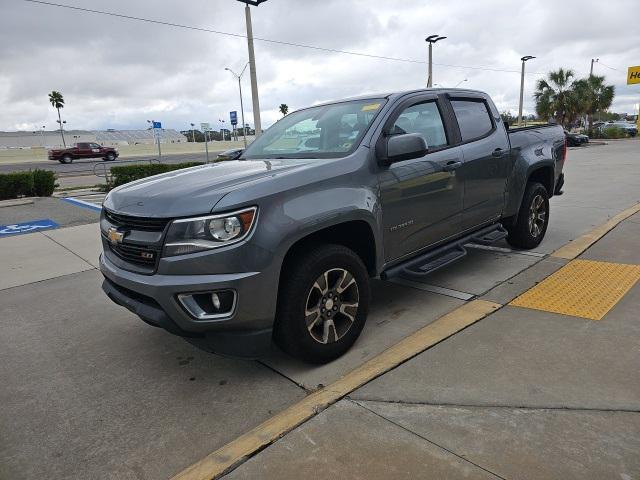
point(28, 227)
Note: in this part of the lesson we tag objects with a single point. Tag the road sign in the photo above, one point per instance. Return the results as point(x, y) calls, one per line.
point(633, 75)
point(157, 125)
point(27, 227)
point(234, 118)
point(205, 127)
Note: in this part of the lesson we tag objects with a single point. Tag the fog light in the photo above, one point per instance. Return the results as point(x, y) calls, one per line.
point(209, 305)
point(216, 300)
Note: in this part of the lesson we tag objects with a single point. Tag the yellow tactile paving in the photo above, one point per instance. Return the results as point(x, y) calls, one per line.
point(582, 288)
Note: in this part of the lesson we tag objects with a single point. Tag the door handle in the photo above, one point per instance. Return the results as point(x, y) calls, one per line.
point(498, 152)
point(451, 166)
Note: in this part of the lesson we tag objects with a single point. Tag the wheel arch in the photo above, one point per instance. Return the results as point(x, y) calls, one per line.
point(357, 235)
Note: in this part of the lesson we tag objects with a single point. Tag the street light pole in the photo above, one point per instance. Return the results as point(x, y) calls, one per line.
point(431, 39)
point(239, 77)
point(524, 59)
point(458, 84)
point(252, 64)
point(193, 133)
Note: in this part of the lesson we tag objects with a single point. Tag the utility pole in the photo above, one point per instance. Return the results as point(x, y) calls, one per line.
point(524, 59)
point(239, 77)
point(431, 39)
point(592, 62)
point(252, 64)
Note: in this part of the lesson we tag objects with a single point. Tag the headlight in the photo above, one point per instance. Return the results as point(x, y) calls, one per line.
point(189, 235)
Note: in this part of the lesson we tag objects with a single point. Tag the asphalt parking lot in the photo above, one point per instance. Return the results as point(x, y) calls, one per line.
point(90, 391)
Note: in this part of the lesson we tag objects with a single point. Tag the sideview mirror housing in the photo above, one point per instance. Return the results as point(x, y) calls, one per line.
point(405, 147)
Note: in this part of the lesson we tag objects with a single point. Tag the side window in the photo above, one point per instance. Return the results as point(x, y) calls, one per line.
point(425, 119)
point(83, 146)
point(473, 118)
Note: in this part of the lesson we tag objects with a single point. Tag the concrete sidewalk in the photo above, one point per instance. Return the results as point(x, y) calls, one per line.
point(522, 394)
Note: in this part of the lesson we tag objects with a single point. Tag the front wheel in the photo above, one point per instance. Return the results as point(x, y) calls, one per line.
point(110, 157)
point(323, 304)
point(533, 218)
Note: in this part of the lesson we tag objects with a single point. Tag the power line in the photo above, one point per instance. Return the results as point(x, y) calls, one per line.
point(610, 68)
point(268, 40)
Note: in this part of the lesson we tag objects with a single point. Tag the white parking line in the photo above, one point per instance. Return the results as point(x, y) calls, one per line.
point(504, 250)
point(433, 288)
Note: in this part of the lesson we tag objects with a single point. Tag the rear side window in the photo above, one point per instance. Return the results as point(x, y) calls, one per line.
point(473, 118)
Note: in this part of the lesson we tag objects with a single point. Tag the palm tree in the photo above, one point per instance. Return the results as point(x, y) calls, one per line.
point(598, 96)
point(57, 101)
point(555, 96)
point(284, 109)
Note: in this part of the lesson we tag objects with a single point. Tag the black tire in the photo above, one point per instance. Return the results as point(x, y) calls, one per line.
point(331, 332)
point(533, 218)
point(66, 159)
point(110, 157)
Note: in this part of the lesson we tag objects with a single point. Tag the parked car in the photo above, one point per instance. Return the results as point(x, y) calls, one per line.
point(281, 244)
point(83, 150)
point(630, 128)
point(575, 139)
point(232, 154)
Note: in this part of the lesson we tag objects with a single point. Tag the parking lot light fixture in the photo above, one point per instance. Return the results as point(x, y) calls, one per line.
point(524, 59)
point(252, 64)
point(431, 39)
point(461, 81)
point(239, 77)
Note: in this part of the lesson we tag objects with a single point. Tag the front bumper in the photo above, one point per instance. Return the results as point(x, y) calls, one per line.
point(246, 332)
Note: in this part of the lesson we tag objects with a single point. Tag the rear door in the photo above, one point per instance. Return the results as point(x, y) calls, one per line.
point(84, 150)
point(486, 157)
point(422, 197)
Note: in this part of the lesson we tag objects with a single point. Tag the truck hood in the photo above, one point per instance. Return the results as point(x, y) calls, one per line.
point(195, 190)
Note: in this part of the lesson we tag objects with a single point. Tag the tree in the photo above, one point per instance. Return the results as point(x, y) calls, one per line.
point(508, 118)
point(57, 101)
point(555, 96)
point(284, 109)
point(598, 96)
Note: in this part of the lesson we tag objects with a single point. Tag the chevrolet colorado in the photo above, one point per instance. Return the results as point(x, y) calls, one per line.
point(281, 243)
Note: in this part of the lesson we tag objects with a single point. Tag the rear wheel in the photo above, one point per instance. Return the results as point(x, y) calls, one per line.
point(533, 218)
point(323, 304)
point(66, 159)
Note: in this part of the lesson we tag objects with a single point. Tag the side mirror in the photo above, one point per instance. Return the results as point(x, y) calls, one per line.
point(406, 147)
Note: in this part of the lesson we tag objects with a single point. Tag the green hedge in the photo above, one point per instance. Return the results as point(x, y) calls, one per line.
point(39, 183)
point(128, 173)
point(608, 132)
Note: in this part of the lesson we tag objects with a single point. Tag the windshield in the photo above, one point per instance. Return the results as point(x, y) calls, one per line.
point(328, 131)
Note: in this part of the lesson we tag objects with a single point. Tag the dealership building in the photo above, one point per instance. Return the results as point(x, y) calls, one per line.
point(108, 138)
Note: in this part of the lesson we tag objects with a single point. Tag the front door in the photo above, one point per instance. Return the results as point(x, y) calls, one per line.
point(422, 198)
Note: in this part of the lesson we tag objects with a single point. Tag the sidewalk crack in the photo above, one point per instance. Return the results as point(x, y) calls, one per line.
point(484, 405)
point(430, 441)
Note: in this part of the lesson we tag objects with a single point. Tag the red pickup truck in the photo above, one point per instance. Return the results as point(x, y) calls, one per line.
point(83, 150)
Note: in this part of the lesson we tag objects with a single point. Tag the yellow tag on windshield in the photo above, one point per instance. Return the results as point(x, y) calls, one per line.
point(370, 106)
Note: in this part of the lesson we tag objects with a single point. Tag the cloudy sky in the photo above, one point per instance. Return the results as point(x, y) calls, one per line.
point(117, 73)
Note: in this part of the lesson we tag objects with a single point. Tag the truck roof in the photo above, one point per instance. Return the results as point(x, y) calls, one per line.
point(390, 95)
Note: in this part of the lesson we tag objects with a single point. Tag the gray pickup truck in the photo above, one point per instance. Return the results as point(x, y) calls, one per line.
point(281, 243)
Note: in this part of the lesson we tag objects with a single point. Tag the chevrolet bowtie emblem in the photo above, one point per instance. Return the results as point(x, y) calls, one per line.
point(115, 236)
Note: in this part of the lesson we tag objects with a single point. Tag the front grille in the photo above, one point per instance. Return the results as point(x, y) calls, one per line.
point(127, 222)
point(135, 254)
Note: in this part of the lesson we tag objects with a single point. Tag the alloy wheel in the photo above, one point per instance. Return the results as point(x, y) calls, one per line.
point(332, 304)
point(537, 216)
